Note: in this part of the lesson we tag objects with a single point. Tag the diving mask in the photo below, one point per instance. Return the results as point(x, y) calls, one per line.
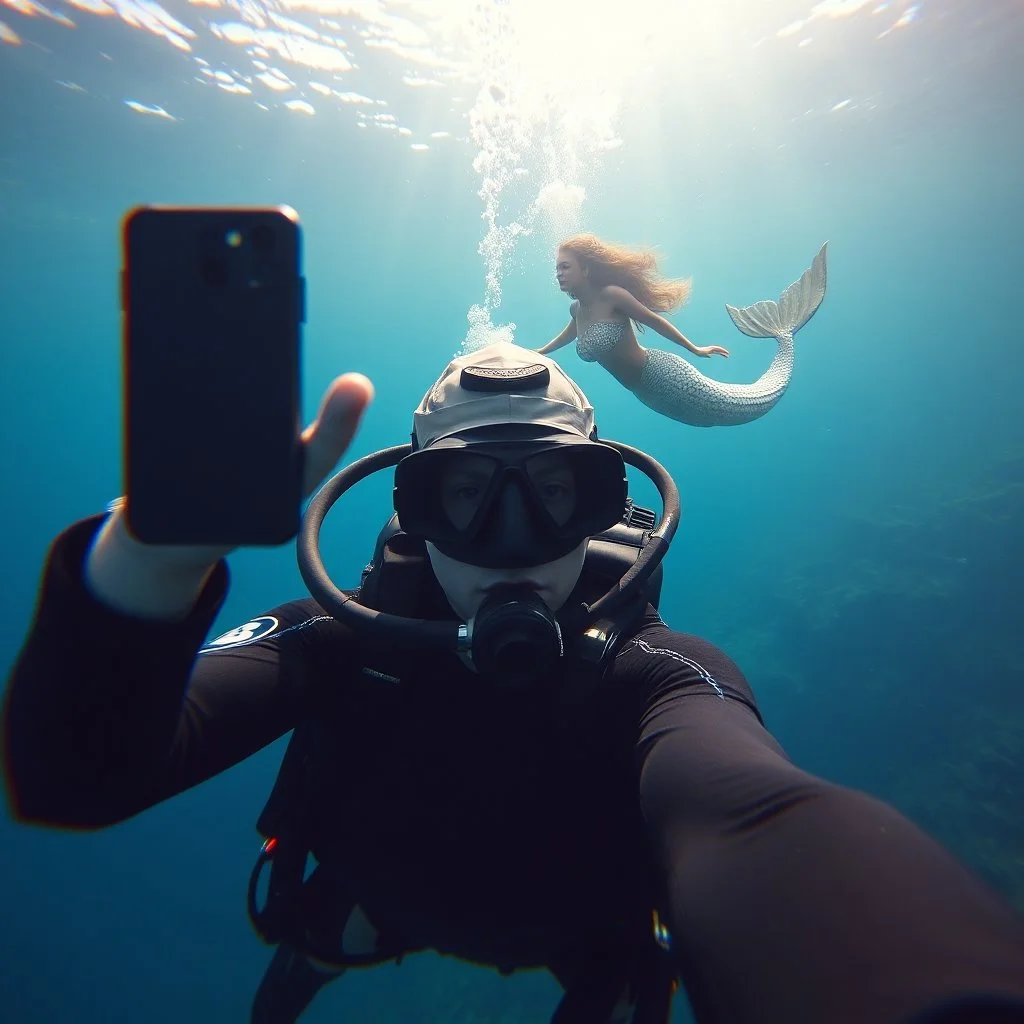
point(490, 498)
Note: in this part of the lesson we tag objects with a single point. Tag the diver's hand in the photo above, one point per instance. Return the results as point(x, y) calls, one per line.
point(712, 350)
point(163, 581)
point(327, 438)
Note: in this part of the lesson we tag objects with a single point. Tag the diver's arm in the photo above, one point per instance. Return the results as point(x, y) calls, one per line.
point(146, 580)
point(628, 305)
point(869, 918)
point(108, 713)
point(567, 335)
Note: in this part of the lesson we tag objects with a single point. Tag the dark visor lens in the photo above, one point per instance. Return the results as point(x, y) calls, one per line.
point(447, 494)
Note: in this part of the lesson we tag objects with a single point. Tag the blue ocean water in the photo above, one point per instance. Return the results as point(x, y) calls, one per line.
point(859, 551)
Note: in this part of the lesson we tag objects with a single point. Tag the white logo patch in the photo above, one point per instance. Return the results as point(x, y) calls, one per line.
point(247, 633)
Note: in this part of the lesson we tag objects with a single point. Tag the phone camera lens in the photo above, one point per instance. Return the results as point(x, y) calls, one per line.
point(263, 239)
point(233, 239)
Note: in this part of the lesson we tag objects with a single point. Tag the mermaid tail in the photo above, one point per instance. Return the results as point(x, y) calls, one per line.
point(672, 386)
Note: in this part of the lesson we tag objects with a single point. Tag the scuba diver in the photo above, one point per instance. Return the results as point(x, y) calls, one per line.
point(499, 751)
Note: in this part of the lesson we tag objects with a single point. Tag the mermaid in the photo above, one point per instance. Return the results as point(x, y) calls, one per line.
point(614, 287)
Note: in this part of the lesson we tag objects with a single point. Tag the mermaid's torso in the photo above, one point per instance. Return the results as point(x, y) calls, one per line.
point(599, 338)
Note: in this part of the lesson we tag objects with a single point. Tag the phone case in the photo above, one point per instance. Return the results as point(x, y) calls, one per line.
point(213, 306)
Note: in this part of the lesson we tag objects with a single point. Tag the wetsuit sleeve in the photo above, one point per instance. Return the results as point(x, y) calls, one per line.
point(106, 714)
point(791, 898)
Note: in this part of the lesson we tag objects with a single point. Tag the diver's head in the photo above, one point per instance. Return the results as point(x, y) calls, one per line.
point(507, 481)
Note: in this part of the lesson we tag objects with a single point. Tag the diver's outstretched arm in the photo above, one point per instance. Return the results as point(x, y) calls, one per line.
point(567, 335)
point(627, 304)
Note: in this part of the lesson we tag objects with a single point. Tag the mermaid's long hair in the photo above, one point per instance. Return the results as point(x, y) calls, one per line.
point(636, 270)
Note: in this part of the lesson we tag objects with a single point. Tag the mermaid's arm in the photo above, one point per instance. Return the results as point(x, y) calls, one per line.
point(628, 305)
point(567, 335)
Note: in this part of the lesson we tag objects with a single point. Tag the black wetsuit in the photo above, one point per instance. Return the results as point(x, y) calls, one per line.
point(507, 829)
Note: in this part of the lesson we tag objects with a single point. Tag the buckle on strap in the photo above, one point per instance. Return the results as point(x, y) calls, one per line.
point(273, 922)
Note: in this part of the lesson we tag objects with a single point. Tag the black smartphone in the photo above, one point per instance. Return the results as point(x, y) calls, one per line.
point(213, 305)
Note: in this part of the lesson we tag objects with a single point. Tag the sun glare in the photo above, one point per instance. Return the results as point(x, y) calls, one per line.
point(537, 89)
